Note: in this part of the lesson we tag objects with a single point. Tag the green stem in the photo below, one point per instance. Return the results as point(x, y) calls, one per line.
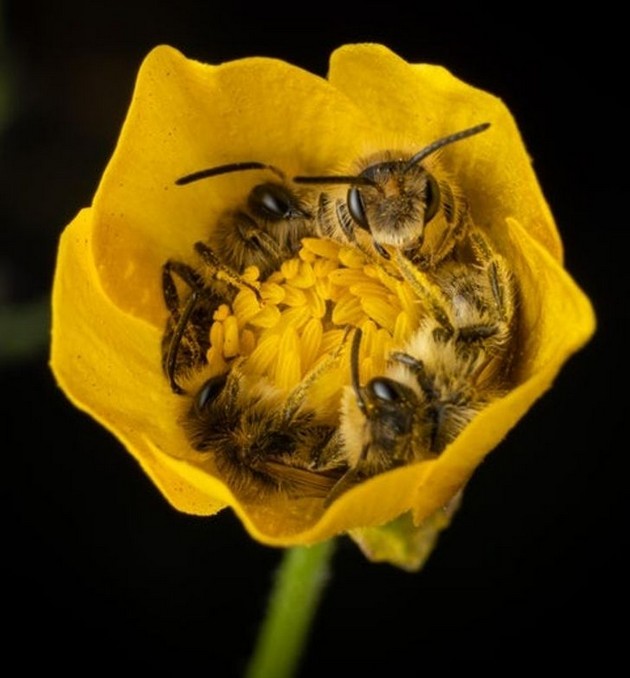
point(298, 585)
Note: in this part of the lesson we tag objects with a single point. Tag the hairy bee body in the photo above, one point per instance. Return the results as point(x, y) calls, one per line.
point(260, 441)
point(186, 340)
point(405, 202)
point(266, 229)
point(461, 358)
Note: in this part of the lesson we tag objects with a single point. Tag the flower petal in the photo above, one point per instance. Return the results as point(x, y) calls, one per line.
point(558, 319)
point(423, 102)
point(105, 361)
point(108, 309)
point(187, 116)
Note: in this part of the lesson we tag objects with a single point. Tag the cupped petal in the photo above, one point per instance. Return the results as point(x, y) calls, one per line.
point(557, 320)
point(423, 102)
point(187, 116)
point(108, 308)
point(107, 363)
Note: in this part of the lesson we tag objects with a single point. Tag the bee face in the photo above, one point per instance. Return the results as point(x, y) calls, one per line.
point(396, 205)
point(406, 203)
point(384, 424)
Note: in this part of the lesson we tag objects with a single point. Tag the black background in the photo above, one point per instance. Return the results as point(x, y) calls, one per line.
point(532, 570)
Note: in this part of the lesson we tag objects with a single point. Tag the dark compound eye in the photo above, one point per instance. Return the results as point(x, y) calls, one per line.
point(273, 202)
point(431, 198)
point(210, 391)
point(356, 208)
point(385, 390)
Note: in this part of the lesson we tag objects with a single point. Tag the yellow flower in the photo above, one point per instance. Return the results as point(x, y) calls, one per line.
point(108, 307)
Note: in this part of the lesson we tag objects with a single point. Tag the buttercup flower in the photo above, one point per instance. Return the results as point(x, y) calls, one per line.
point(110, 315)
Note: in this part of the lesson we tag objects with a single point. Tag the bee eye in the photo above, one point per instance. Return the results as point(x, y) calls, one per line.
point(356, 208)
point(210, 391)
point(273, 202)
point(384, 389)
point(431, 198)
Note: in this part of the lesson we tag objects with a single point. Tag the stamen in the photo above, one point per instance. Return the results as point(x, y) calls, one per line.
point(288, 368)
point(311, 341)
point(384, 315)
point(231, 343)
point(347, 310)
point(351, 257)
point(302, 315)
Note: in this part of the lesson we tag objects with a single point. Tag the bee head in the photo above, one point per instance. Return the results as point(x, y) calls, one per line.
point(394, 200)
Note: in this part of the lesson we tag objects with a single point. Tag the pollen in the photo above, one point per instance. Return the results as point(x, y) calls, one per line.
point(300, 321)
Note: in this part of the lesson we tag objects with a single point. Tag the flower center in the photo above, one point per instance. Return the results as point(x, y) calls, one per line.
point(301, 318)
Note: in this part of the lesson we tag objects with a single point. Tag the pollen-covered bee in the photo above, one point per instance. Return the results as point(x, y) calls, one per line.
point(408, 203)
point(262, 439)
point(186, 338)
point(267, 229)
point(461, 358)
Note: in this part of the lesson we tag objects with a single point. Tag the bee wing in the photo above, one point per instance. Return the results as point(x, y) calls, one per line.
point(302, 481)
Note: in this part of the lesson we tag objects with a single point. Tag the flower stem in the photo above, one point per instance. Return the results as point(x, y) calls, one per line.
point(297, 589)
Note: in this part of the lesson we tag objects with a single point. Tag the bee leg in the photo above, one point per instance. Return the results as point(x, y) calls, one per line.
point(169, 290)
point(329, 221)
point(297, 396)
point(458, 223)
point(435, 403)
point(212, 261)
point(171, 298)
point(428, 294)
point(261, 241)
point(499, 277)
point(419, 371)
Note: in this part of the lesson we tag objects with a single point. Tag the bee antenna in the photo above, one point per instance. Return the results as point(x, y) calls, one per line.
point(341, 179)
point(354, 370)
point(225, 169)
point(444, 141)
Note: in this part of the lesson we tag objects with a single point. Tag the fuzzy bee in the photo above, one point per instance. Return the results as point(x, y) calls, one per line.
point(191, 305)
point(460, 359)
point(263, 440)
point(264, 231)
point(408, 203)
point(267, 229)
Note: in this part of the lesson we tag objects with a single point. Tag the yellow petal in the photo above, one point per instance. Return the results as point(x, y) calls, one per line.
point(186, 116)
point(108, 309)
point(105, 361)
point(564, 323)
point(422, 103)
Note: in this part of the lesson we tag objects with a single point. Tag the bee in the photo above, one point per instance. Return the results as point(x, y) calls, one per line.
point(408, 203)
point(461, 358)
point(186, 337)
point(262, 439)
point(266, 230)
